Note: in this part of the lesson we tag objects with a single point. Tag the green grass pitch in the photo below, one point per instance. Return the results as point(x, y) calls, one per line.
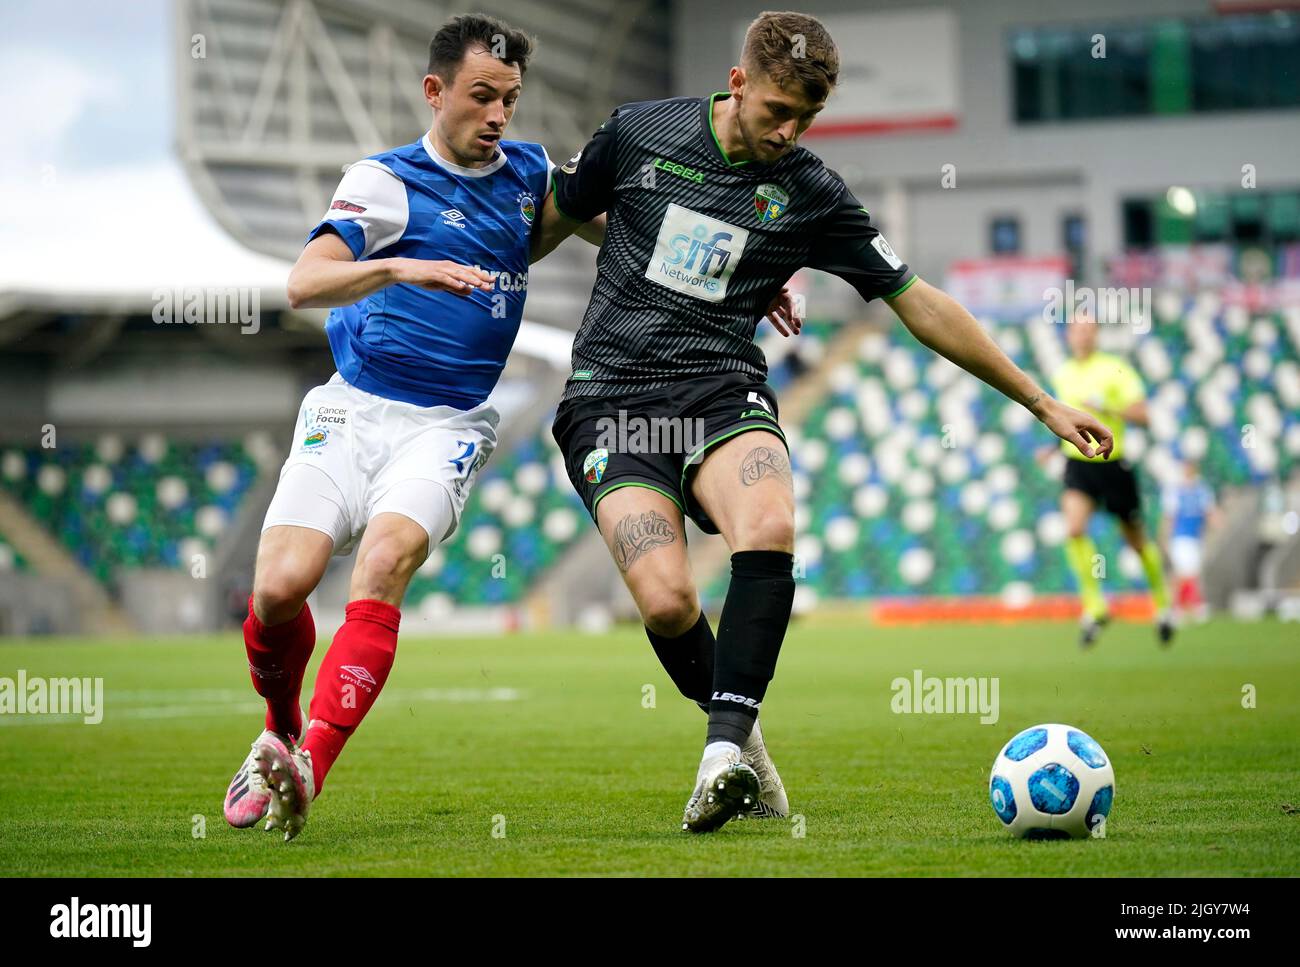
point(535, 754)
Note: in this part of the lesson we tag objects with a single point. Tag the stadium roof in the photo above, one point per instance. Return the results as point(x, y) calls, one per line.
point(114, 241)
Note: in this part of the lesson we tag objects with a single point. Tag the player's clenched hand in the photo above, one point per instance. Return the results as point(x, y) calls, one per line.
point(781, 313)
point(441, 275)
point(1085, 431)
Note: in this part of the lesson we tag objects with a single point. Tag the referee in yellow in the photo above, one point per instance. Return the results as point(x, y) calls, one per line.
point(1111, 390)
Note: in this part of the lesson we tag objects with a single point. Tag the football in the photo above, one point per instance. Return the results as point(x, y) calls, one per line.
point(1052, 782)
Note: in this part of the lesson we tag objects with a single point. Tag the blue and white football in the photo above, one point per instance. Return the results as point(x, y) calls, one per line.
point(1052, 782)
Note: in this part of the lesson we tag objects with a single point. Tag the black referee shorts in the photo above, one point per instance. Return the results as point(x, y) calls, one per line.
point(1113, 486)
point(658, 438)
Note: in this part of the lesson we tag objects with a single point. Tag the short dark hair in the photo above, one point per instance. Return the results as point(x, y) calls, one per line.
point(792, 48)
point(447, 49)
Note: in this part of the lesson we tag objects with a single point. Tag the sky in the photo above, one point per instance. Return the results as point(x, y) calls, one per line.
point(87, 162)
point(84, 85)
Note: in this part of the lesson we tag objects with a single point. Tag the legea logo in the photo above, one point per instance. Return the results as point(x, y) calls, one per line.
point(696, 254)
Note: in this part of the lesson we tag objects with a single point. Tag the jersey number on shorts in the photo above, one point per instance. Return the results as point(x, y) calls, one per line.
point(460, 461)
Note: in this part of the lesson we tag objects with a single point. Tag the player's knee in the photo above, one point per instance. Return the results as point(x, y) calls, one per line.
point(279, 593)
point(669, 611)
point(388, 563)
point(772, 530)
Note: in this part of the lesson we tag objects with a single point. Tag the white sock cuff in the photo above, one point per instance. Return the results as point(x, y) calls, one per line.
point(714, 749)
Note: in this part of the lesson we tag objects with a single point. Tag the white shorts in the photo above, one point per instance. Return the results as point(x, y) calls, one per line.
point(1185, 556)
point(355, 455)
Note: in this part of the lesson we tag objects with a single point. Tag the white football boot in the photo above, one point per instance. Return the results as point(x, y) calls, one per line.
point(248, 797)
point(772, 802)
point(287, 774)
point(724, 786)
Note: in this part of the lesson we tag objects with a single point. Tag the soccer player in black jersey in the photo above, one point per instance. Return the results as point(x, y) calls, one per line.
point(712, 205)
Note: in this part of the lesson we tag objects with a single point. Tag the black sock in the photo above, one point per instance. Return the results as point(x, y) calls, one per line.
point(688, 660)
point(750, 632)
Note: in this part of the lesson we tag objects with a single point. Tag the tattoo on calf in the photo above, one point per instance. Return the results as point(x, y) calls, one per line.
point(761, 462)
point(638, 534)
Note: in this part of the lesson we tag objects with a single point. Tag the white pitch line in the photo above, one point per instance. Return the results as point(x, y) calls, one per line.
point(205, 702)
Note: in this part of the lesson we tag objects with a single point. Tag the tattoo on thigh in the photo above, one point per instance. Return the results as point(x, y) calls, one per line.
point(761, 462)
point(638, 534)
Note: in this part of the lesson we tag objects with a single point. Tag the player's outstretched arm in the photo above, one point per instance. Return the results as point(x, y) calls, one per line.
point(593, 231)
point(553, 227)
point(327, 275)
point(943, 324)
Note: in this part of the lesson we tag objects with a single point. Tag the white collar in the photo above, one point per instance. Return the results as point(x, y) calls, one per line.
point(456, 169)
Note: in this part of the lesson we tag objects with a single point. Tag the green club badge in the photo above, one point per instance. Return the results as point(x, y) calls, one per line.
point(769, 202)
point(593, 468)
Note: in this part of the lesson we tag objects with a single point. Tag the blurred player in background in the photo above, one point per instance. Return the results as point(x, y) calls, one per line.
point(712, 206)
point(1190, 511)
point(1110, 389)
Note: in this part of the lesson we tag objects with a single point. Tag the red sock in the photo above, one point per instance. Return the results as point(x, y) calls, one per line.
point(350, 679)
point(277, 661)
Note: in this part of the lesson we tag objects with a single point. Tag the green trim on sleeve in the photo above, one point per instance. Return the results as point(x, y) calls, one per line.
point(906, 285)
point(555, 198)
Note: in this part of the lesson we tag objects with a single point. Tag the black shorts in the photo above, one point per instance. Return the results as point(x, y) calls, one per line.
point(658, 438)
point(1113, 486)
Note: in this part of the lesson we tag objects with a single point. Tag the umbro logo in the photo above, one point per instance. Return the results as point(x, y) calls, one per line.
point(360, 674)
point(453, 217)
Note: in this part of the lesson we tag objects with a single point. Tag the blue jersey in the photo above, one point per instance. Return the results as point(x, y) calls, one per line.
point(412, 344)
point(1188, 504)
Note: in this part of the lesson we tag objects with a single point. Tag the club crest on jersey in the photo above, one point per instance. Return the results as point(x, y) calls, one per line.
point(770, 202)
point(527, 207)
point(593, 468)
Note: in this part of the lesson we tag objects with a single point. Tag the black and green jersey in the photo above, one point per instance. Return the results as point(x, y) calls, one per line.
point(697, 246)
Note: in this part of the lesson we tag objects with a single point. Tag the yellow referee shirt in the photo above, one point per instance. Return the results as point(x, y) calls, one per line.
point(1103, 385)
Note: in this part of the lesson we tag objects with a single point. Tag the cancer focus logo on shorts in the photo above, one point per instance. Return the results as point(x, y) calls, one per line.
point(316, 438)
point(696, 254)
point(316, 420)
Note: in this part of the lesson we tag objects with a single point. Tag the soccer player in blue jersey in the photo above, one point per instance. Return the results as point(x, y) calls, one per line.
point(1189, 511)
point(423, 256)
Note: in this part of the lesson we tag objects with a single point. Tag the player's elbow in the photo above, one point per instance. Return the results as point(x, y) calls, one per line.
point(298, 292)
